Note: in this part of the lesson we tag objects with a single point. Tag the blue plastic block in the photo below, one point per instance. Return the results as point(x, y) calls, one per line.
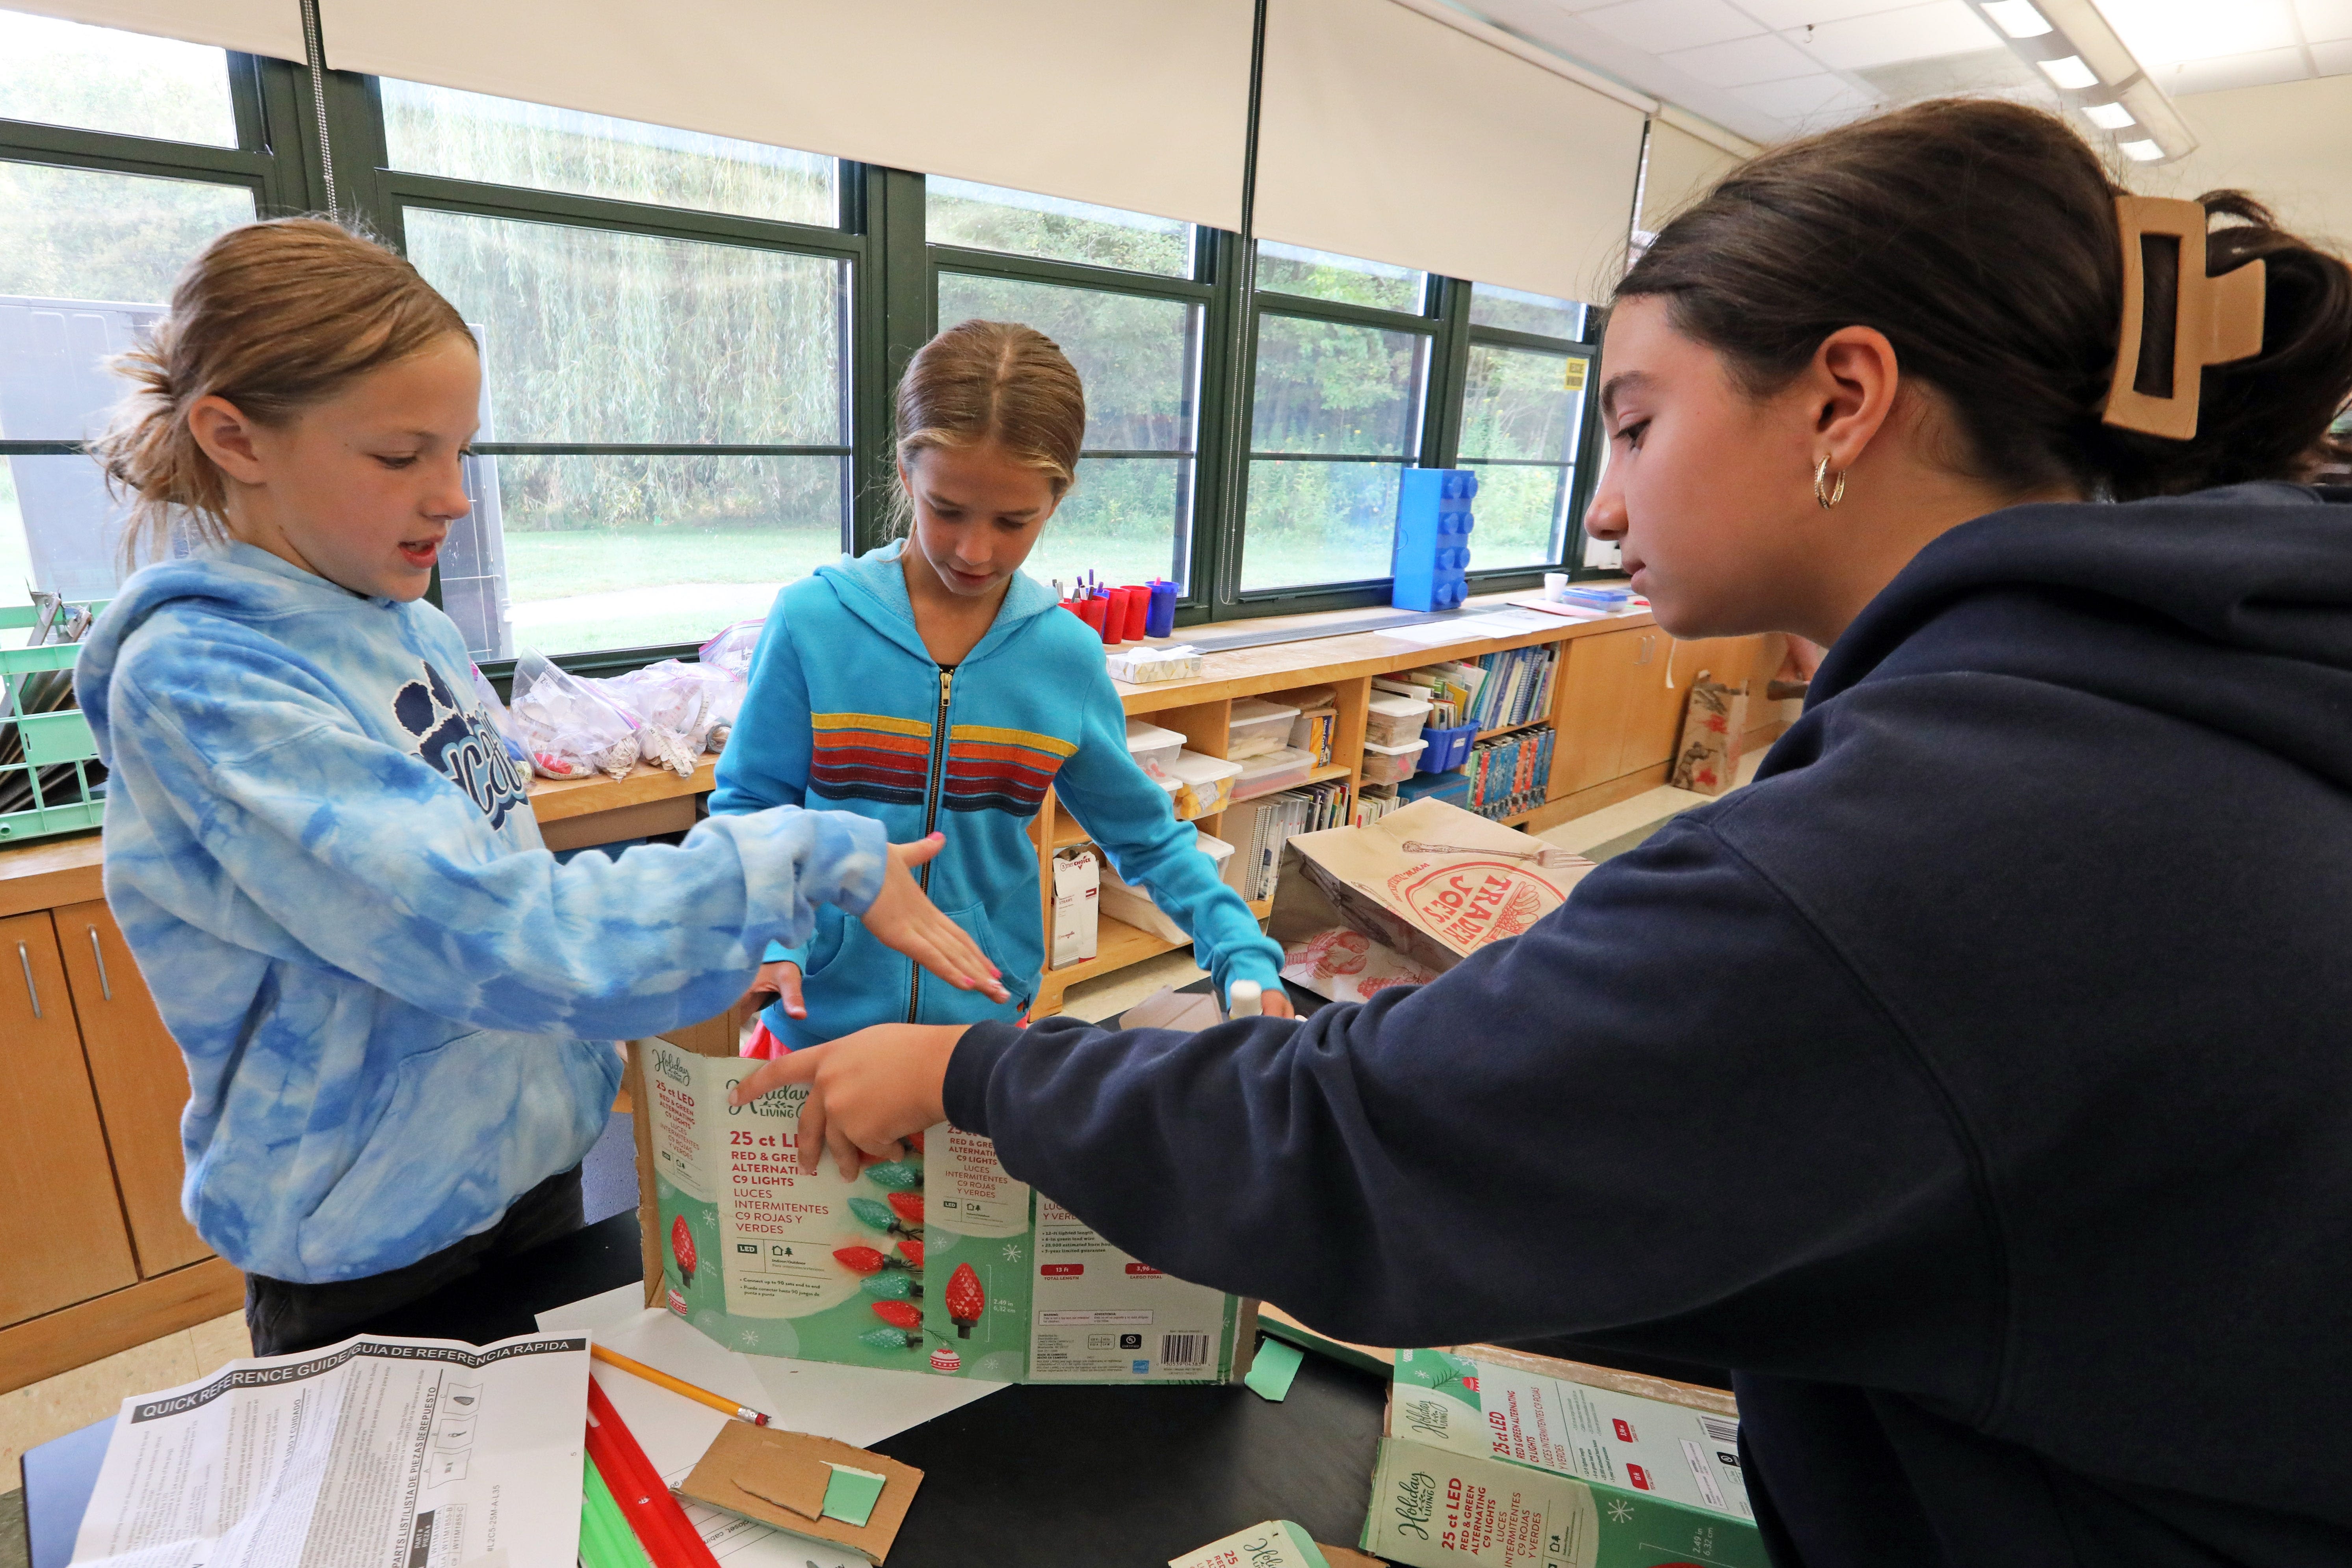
point(1432, 539)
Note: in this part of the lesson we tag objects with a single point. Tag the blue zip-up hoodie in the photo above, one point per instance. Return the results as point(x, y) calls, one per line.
point(849, 709)
point(329, 871)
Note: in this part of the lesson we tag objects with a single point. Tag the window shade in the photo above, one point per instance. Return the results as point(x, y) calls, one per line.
point(1681, 169)
point(256, 26)
point(1393, 136)
point(1142, 105)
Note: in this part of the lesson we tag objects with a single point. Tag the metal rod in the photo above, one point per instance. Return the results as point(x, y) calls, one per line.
point(24, 959)
point(105, 986)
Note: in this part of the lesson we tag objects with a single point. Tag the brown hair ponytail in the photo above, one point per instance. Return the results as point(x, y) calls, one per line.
point(994, 381)
point(1980, 237)
point(273, 316)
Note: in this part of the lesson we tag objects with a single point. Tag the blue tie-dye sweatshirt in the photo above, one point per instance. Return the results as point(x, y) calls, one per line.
point(396, 1007)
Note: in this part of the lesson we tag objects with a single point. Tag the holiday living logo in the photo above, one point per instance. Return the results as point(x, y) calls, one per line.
point(1426, 1416)
point(1416, 1500)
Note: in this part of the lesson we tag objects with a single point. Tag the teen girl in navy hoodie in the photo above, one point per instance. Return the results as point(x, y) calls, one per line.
point(1974, 1085)
point(930, 686)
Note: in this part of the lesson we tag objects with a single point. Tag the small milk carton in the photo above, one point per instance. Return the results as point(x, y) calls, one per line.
point(1077, 889)
point(938, 1262)
point(1519, 1461)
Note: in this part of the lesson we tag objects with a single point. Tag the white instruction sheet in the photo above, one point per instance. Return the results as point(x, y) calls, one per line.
point(374, 1452)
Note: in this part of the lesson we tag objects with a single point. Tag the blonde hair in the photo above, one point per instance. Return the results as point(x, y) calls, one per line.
point(274, 317)
point(992, 381)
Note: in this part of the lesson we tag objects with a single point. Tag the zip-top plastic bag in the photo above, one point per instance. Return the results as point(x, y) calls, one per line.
point(488, 696)
point(569, 728)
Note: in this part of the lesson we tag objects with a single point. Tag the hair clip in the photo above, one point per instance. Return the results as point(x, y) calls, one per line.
point(2176, 321)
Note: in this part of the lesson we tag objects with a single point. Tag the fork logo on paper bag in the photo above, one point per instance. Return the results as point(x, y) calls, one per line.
point(460, 746)
point(1472, 903)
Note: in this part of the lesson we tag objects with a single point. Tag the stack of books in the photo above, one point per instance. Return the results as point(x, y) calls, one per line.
point(1259, 829)
point(1509, 775)
point(1493, 692)
point(1372, 803)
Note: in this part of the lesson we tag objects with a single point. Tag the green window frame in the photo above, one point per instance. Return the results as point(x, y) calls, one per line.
point(1581, 459)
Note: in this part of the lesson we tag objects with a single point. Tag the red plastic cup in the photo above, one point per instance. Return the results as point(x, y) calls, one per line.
point(1089, 611)
point(1138, 598)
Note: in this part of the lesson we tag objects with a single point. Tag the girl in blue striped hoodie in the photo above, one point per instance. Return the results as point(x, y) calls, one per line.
point(397, 1009)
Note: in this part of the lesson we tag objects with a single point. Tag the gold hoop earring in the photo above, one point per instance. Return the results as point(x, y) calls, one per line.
point(1829, 495)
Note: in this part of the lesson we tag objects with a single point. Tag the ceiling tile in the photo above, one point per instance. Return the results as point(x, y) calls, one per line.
point(1741, 61)
point(2166, 32)
point(2258, 69)
point(1807, 103)
point(2334, 58)
point(1914, 33)
point(2323, 20)
point(1782, 14)
point(1658, 25)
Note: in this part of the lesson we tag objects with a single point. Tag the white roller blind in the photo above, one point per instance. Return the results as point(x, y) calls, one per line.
point(1392, 135)
point(1682, 168)
point(256, 26)
point(1143, 104)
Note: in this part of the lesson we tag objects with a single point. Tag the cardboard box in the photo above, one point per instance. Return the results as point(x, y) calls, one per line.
point(1078, 892)
point(938, 1262)
point(1429, 882)
point(1276, 1543)
point(1499, 1458)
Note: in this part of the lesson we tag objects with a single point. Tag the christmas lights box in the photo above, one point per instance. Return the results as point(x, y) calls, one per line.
point(1494, 1457)
point(1429, 882)
point(938, 1262)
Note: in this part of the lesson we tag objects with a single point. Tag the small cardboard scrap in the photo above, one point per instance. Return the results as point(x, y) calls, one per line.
point(1276, 1543)
point(1275, 1369)
point(1429, 882)
point(801, 1484)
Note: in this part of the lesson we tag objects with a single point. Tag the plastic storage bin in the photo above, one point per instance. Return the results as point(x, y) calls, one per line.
point(1391, 764)
point(1452, 788)
point(1258, 727)
point(1152, 746)
point(1125, 900)
point(1394, 720)
point(1448, 749)
point(50, 782)
point(1280, 770)
point(1205, 785)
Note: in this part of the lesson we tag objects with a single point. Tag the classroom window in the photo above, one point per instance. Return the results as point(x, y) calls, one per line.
point(1522, 419)
point(503, 141)
point(128, 84)
point(1343, 279)
point(986, 217)
point(665, 435)
point(1335, 418)
point(1516, 311)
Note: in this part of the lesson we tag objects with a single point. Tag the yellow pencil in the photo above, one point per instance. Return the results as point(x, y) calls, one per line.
point(677, 1386)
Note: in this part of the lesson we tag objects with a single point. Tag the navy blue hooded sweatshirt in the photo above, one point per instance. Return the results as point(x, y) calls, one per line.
point(1977, 1084)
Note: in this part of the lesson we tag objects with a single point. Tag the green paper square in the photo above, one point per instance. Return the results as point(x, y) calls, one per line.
point(1275, 1366)
point(851, 1495)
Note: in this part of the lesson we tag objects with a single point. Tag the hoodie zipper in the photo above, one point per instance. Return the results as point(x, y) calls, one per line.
point(931, 821)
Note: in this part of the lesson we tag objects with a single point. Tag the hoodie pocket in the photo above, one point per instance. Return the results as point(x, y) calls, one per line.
point(943, 1004)
point(862, 982)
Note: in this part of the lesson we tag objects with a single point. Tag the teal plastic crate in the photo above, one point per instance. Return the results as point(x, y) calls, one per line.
point(60, 754)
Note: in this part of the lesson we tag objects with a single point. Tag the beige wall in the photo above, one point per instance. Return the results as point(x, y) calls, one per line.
point(2289, 144)
point(1682, 168)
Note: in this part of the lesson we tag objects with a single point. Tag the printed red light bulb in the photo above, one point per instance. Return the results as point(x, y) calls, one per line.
point(913, 1251)
point(898, 1314)
point(907, 1206)
point(859, 1259)
point(681, 1247)
point(965, 1299)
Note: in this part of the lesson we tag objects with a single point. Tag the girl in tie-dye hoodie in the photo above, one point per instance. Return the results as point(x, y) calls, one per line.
point(396, 1007)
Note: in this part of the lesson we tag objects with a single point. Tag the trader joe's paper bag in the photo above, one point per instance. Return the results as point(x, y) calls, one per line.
point(1429, 881)
point(1708, 760)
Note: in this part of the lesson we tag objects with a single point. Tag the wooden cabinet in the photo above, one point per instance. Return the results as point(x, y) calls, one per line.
point(62, 1233)
point(1616, 713)
point(141, 1081)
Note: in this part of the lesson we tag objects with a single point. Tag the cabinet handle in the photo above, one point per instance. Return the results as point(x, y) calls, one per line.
point(105, 986)
point(25, 961)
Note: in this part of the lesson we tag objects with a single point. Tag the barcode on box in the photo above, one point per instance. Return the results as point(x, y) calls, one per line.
point(1721, 1431)
point(1184, 1350)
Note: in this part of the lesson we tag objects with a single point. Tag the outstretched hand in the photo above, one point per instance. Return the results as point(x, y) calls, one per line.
point(868, 1091)
point(902, 917)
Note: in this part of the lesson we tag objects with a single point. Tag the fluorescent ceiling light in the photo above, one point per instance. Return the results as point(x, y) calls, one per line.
point(2018, 18)
point(2070, 73)
point(2141, 152)
point(2166, 32)
point(2108, 116)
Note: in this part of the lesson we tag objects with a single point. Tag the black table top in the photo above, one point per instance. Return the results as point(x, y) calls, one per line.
point(1042, 1475)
